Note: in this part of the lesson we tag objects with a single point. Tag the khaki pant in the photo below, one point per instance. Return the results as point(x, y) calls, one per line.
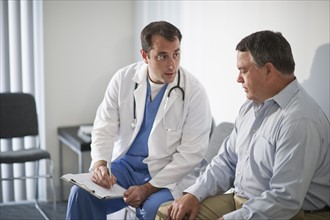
point(215, 207)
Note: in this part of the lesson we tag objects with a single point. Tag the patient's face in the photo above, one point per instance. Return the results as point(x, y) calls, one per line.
point(252, 78)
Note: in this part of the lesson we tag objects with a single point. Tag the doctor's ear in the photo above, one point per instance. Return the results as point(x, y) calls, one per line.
point(145, 56)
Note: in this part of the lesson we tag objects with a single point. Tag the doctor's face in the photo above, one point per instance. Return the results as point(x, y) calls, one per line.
point(163, 59)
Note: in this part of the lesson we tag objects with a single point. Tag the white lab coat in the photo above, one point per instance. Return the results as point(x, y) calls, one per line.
point(173, 154)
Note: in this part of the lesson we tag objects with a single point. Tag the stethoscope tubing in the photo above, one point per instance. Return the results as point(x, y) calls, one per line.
point(177, 87)
point(168, 96)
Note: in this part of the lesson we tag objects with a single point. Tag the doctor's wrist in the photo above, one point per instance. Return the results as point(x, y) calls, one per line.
point(150, 189)
point(99, 164)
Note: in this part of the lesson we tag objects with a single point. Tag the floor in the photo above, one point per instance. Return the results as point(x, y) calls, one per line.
point(27, 211)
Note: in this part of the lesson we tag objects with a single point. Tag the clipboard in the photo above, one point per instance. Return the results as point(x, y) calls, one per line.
point(83, 180)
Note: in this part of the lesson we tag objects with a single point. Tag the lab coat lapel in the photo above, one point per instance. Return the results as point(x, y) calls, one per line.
point(166, 102)
point(140, 98)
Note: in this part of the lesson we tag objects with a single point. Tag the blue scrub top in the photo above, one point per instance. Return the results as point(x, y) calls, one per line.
point(139, 148)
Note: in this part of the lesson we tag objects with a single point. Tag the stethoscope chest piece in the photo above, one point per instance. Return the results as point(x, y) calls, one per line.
point(133, 124)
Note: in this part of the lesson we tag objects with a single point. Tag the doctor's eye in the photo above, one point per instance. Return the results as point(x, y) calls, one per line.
point(165, 57)
point(162, 57)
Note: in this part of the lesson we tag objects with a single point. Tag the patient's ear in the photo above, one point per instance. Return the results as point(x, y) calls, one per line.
point(269, 68)
point(271, 73)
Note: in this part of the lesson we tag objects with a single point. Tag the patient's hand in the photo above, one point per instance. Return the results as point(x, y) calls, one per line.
point(188, 204)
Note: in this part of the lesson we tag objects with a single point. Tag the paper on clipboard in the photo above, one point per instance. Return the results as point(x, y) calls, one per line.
point(83, 180)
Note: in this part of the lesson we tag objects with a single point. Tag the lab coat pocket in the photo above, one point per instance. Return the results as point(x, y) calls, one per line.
point(173, 139)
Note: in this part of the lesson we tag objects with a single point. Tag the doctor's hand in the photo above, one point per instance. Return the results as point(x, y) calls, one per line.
point(101, 175)
point(136, 195)
point(188, 204)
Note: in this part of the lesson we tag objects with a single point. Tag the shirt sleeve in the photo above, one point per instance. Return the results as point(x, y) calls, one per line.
point(295, 162)
point(219, 174)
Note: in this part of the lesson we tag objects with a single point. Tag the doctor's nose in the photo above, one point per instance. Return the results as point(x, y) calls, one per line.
point(171, 64)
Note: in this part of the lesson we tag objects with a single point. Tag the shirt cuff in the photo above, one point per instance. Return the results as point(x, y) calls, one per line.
point(196, 191)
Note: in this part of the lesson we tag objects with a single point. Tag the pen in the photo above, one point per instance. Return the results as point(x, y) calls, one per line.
point(110, 174)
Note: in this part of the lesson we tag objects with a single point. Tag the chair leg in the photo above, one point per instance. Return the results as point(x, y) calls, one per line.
point(36, 199)
point(36, 204)
point(128, 210)
point(51, 171)
point(126, 213)
point(51, 177)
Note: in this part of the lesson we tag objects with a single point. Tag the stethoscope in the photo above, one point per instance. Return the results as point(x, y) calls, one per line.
point(133, 124)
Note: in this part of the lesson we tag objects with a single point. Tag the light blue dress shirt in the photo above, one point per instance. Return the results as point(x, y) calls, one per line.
point(277, 157)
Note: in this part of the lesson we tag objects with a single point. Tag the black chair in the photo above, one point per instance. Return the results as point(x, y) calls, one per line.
point(18, 119)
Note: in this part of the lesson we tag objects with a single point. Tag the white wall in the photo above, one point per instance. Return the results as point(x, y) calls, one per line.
point(149, 11)
point(212, 29)
point(85, 42)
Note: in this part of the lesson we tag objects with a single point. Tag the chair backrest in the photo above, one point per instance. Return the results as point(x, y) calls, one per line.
point(219, 134)
point(18, 115)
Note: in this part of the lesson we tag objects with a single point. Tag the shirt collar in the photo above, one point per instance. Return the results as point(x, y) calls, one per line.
point(285, 95)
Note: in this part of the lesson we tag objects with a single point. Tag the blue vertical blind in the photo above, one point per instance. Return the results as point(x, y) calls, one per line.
point(21, 65)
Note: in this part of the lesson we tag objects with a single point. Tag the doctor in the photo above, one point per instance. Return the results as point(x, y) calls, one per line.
point(151, 131)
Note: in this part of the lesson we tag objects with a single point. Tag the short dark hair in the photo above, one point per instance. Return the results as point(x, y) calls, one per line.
point(162, 28)
point(268, 46)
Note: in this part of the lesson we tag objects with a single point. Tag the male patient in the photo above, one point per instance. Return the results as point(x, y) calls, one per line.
point(277, 156)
